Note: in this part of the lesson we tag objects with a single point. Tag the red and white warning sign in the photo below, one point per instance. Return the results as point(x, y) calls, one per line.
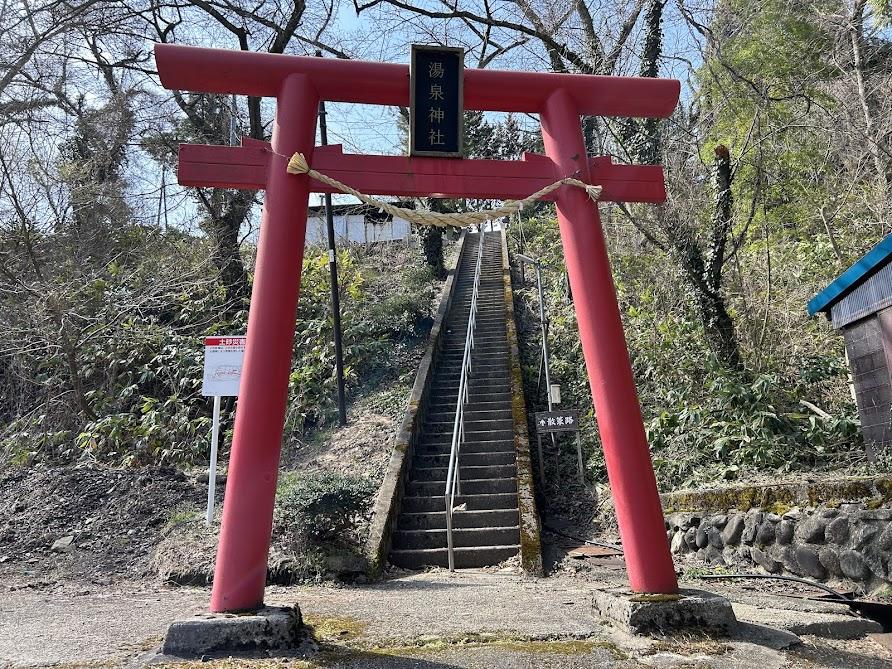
point(223, 365)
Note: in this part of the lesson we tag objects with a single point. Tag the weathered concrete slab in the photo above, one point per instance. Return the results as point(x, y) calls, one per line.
point(210, 633)
point(645, 614)
point(840, 624)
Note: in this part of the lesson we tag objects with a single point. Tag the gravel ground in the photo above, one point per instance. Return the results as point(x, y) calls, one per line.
point(109, 520)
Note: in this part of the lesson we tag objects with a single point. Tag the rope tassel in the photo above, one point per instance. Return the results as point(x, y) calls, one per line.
point(298, 164)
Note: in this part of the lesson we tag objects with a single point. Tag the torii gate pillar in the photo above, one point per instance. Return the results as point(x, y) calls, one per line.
point(626, 453)
point(240, 572)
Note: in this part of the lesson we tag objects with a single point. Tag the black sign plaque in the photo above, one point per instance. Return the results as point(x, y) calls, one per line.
point(436, 108)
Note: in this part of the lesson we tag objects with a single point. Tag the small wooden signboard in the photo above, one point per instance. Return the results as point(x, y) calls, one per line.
point(551, 422)
point(557, 421)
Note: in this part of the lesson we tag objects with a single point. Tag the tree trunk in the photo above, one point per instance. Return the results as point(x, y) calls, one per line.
point(642, 136)
point(646, 145)
point(704, 269)
point(717, 321)
point(432, 246)
point(856, 33)
point(227, 256)
point(719, 329)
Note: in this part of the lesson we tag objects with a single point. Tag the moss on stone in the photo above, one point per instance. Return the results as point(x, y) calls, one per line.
point(336, 629)
point(779, 498)
point(884, 488)
point(503, 641)
point(780, 508)
point(655, 597)
point(530, 532)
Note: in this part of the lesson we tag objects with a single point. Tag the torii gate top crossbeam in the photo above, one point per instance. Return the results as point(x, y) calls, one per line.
point(187, 68)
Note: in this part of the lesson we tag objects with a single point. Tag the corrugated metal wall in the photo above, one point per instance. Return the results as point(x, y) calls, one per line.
point(871, 296)
point(870, 375)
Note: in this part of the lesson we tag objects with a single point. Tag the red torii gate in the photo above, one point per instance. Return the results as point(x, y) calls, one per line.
point(298, 84)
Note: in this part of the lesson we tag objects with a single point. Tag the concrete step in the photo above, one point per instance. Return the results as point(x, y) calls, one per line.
point(463, 305)
point(494, 320)
point(467, 459)
point(471, 436)
point(474, 424)
point(482, 333)
point(477, 372)
point(467, 472)
point(476, 384)
point(444, 410)
point(461, 537)
point(479, 368)
point(481, 337)
point(488, 306)
point(478, 556)
point(426, 447)
point(491, 352)
point(449, 372)
point(501, 400)
point(496, 411)
point(491, 346)
point(477, 392)
point(436, 520)
point(487, 314)
point(434, 503)
point(446, 399)
point(450, 359)
point(488, 350)
point(487, 347)
point(452, 371)
point(468, 487)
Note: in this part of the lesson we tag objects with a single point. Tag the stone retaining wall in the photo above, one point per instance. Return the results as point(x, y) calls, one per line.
point(820, 539)
point(530, 524)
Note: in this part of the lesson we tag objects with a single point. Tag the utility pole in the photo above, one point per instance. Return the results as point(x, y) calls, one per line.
point(333, 271)
point(545, 352)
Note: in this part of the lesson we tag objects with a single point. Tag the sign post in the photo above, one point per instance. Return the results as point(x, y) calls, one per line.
point(222, 374)
point(552, 422)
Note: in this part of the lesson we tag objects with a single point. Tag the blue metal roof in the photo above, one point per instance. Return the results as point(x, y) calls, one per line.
point(878, 256)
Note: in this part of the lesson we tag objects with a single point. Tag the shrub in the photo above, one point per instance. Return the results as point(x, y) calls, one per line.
point(322, 507)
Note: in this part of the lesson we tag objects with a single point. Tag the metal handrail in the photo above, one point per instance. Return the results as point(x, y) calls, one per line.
point(453, 474)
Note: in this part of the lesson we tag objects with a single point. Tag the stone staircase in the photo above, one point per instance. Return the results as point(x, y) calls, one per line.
point(487, 530)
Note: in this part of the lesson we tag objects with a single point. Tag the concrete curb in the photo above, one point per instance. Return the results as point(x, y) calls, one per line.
point(841, 625)
point(390, 495)
point(267, 628)
point(530, 525)
point(645, 614)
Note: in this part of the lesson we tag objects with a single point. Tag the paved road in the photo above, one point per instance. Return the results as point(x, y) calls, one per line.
point(426, 621)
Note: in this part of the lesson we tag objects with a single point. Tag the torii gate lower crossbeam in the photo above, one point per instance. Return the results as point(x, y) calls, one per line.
point(298, 84)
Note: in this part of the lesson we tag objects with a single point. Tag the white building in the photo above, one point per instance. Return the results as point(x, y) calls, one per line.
point(355, 224)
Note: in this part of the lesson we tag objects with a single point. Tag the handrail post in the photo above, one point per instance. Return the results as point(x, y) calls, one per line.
point(449, 546)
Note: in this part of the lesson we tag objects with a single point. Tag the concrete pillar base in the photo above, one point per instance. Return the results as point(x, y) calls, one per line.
point(648, 614)
point(217, 633)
